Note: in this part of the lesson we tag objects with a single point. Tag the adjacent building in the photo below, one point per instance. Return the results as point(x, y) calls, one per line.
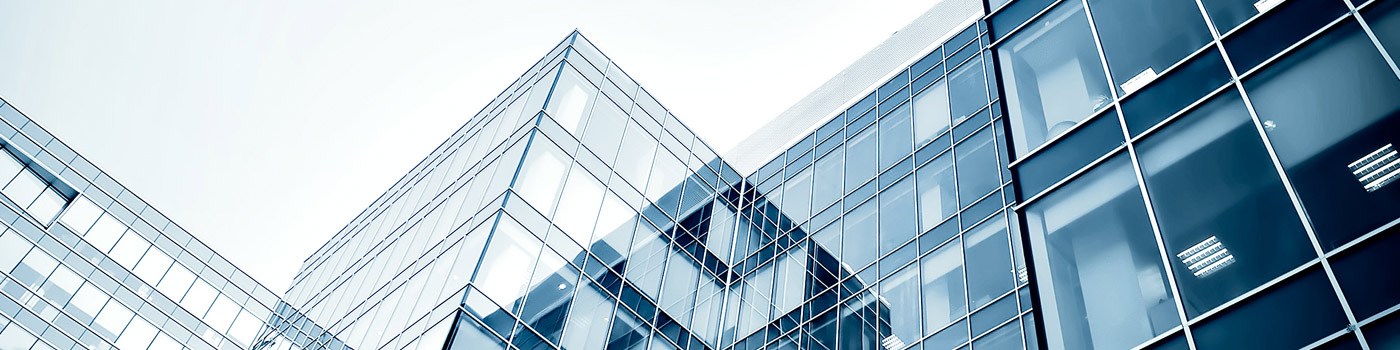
point(1074, 174)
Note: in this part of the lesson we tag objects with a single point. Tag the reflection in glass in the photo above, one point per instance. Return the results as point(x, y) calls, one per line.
point(931, 112)
point(860, 158)
point(978, 171)
point(1142, 38)
point(541, 176)
point(1341, 76)
point(944, 295)
point(898, 223)
point(989, 272)
point(901, 293)
point(1101, 276)
point(1215, 191)
point(895, 142)
point(1055, 76)
point(505, 268)
point(858, 242)
point(572, 99)
point(967, 89)
point(937, 192)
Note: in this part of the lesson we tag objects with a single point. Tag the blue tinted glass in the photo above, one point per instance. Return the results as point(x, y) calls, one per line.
point(1368, 292)
point(937, 194)
point(1053, 76)
point(1335, 163)
point(1281, 27)
point(988, 252)
point(898, 221)
point(1015, 14)
point(827, 179)
point(1069, 155)
point(895, 137)
point(1088, 237)
point(861, 158)
point(1142, 38)
point(931, 113)
point(1171, 93)
point(858, 242)
point(967, 89)
point(1304, 305)
point(977, 167)
point(1214, 189)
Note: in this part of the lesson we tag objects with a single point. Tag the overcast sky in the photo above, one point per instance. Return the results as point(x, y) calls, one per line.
point(264, 126)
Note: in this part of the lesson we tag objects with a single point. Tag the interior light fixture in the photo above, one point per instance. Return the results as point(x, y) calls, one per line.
point(892, 343)
point(1206, 257)
point(1379, 168)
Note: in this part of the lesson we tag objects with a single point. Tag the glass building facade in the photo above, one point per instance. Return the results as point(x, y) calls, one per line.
point(86, 264)
point(1058, 174)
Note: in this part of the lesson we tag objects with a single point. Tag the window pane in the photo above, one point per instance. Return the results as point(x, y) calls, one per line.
point(967, 89)
point(583, 195)
point(989, 272)
point(47, 205)
point(1055, 76)
point(1289, 316)
point(588, 324)
point(80, 215)
point(827, 181)
point(541, 176)
point(176, 281)
point(931, 112)
point(858, 242)
point(898, 223)
point(1339, 75)
point(221, 314)
point(137, 335)
point(797, 196)
point(152, 266)
point(944, 293)
point(24, 188)
point(1100, 271)
point(112, 319)
point(1227, 14)
point(9, 166)
point(978, 171)
point(1143, 38)
point(505, 268)
point(105, 232)
point(571, 100)
point(129, 250)
point(937, 194)
point(895, 137)
point(860, 158)
point(12, 249)
point(1214, 189)
point(86, 302)
point(1369, 293)
point(901, 292)
point(1384, 19)
point(605, 128)
point(199, 297)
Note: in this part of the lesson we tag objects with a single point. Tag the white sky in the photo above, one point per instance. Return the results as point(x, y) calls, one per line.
point(263, 126)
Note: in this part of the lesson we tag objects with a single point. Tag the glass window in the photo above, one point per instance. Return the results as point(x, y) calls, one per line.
point(61, 285)
point(860, 158)
point(588, 324)
point(605, 128)
point(112, 319)
point(86, 302)
point(12, 249)
point(937, 192)
point(989, 272)
point(571, 100)
point(1102, 281)
point(129, 250)
point(826, 179)
point(9, 166)
point(24, 188)
point(1337, 163)
point(635, 154)
point(34, 268)
point(541, 176)
point(1142, 38)
point(931, 112)
point(895, 142)
point(1290, 316)
point(505, 268)
point(1369, 293)
point(978, 171)
point(898, 221)
point(221, 314)
point(105, 233)
point(666, 176)
point(200, 295)
point(1384, 20)
point(1214, 189)
point(152, 266)
point(901, 292)
point(944, 294)
point(797, 196)
point(81, 214)
point(176, 281)
point(967, 88)
point(1054, 75)
point(583, 196)
point(47, 205)
point(138, 335)
point(1228, 14)
point(858, 242)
